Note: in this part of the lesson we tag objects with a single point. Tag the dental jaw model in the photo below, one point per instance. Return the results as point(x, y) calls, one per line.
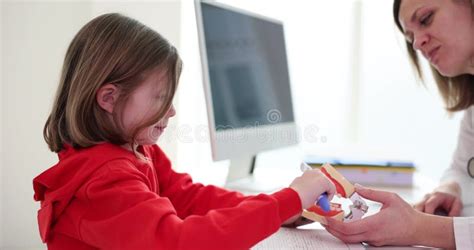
point(344, 189)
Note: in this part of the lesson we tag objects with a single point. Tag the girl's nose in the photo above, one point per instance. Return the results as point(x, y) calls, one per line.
point(171, 111)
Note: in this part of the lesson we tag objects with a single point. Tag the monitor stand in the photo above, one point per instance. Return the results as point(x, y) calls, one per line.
point(241, 177)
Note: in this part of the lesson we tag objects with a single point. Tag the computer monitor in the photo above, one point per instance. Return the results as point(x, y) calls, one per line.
point(246, 84)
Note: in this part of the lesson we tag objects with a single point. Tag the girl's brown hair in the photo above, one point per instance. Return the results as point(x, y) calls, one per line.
point(457, 92)
point(111, 48)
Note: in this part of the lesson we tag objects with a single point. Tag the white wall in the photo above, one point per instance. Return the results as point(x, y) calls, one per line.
point(35, 36)
point(194, 151)
point(1, 122)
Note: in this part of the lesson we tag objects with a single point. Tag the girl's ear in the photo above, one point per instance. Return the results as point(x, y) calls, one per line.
point(107, 97)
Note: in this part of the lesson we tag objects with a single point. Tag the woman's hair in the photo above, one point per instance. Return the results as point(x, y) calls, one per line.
point(115, 49)
point(457, 92)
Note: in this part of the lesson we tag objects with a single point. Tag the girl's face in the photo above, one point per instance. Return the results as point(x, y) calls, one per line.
point(443, 31)
point(143, 103)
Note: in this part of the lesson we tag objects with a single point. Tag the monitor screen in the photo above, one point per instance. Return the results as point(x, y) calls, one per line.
point(247, 67)
point(246, 84)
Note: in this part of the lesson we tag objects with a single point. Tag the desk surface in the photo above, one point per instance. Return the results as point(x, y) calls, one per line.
point(313, 236)
point(292, 238)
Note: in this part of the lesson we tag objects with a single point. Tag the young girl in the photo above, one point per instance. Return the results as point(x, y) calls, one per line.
point(113, 187)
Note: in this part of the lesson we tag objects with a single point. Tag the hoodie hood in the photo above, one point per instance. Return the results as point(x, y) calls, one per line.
point(56, 187)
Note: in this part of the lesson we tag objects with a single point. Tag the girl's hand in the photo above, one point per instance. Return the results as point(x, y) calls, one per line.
point(444, 200)
point(394, 224)
point(310, 185)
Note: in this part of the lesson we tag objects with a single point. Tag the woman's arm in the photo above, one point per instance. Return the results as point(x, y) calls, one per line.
point(435, 231)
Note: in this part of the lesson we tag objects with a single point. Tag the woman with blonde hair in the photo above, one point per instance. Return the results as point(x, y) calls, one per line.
point(443, 33)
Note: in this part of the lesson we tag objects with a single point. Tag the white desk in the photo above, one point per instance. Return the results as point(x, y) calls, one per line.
point(313, 236)
point(291, 238)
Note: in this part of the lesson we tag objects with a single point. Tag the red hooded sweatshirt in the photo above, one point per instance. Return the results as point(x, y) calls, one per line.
point(104, 197)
